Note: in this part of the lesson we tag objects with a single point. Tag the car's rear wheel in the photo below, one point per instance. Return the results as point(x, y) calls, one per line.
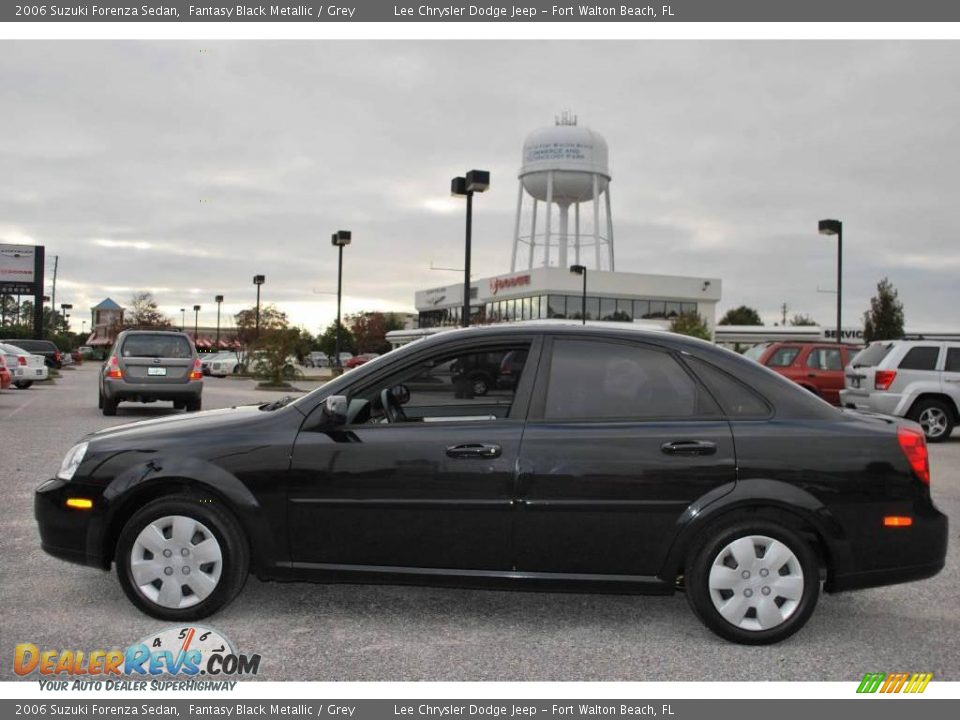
point(479, 385)
point(109, 406)
point(754, 582)
point(935, 417)
point(179, 404)
point(23, 384)
point(193, 404)
point(181, 559)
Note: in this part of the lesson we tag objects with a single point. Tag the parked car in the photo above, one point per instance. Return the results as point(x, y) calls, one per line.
point(48, 350)
point(25, 368)
point(150, 365)
point(316, 359)
point(358, 360)
point(77, 356)
point(66, 359)
point(85, 351)
point(916, 379)
point(225, 363)
point(5, 377)
point(817, 367)
point(609, 467)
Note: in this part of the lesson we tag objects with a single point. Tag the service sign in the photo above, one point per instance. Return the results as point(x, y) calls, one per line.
point(17, 264)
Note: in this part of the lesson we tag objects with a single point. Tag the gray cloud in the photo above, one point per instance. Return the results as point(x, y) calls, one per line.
point(187, 167)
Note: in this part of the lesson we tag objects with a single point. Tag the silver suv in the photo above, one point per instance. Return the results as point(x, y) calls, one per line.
point(916, 379)
point(151, 365)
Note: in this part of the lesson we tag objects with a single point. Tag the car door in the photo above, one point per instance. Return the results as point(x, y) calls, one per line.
point(824, 371)
point(433, 491)
point(620, 439)
point(950, 377)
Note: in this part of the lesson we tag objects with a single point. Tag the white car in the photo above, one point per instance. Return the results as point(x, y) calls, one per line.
point(223, 364)
point(25, 369)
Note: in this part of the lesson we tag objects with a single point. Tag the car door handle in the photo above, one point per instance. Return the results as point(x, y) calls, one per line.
point(689, 447)
point(474, 450)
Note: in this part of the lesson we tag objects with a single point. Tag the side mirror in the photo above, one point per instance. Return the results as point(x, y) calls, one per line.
point(335, 410)
point(401, 393)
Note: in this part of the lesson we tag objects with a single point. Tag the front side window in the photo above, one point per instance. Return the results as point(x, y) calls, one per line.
point(922, 357)
point(590, 380)
point(783, 357)
point(825, 359)
point(464, 386)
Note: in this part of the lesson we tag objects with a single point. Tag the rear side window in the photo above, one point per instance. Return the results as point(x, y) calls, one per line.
point(35, 345)
point(953, 360)
point(825, 359)
point(592, 380)
point(736, 399)
point(783, 357)
point(872, 356)
point(156, 346)
point(922, 357)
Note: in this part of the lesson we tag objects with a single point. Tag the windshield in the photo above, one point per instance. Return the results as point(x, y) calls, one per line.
point(156, 346)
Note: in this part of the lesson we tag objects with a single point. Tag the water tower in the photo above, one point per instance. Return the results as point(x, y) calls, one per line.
point(564, 165)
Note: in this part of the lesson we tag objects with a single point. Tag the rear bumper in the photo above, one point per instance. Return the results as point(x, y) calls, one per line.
point(886, 403)
point(123, 390)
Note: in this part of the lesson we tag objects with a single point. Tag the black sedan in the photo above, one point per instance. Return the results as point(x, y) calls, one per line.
point(618, 461)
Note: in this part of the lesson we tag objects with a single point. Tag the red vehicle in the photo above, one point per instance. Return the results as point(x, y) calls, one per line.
point(816, 366)
point(358, 360)
point(5, 376)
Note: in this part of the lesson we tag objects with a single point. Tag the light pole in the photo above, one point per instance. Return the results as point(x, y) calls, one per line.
point(582, 270)
point(340, 239)
point(66, 316)
point(183, 318)
point(475, 181)
point(835, 227)
point(258, 280)
point(218, 299)
point(196, 321)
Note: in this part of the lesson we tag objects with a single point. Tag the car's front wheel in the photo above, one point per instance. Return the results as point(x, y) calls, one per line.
point(179, 558)
point(754, 582)
point(935, 417)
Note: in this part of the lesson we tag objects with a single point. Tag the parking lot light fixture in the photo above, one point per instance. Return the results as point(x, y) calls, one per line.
point(218, 299)
point(340, 239)
point(258, 280)
point(183, 318)
point(196, 321)
point(473, 181)
point(835, 227)
point(582, 270)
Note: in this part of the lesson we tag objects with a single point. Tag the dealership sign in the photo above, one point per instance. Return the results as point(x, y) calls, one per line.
point(17, 267)
point(498, 284)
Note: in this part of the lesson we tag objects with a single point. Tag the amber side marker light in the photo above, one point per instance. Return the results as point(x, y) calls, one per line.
point(80, 503)
point(897, 521)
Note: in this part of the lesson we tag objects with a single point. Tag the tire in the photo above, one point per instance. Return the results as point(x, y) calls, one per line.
point(23, 384)
point(179, 404)
point(100, 400)
point(175, 524)
point(935, 417)
point(766, 617)
point(480, 385)
point(193, 404)
point(109, 406)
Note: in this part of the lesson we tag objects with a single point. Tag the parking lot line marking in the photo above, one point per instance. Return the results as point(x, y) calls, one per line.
point(18, 409)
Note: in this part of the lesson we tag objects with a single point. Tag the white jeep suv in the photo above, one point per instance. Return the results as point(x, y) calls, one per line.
point(915, 379)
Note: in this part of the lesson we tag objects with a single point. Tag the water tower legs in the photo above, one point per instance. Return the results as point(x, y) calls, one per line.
point(516, 229)
point(563, 238)
point(576, 233)
point(609, 230)
point(549, 202)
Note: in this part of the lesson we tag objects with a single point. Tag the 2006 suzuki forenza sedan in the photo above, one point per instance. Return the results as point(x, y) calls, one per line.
point(611, 460)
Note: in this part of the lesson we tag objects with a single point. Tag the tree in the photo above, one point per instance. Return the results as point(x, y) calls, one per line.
point(742, 315)
point(690, 323)
point(143, 312)
point(800, 320)
point(884, 319)
point(370, 330)
point(271, 318)
point(327, 343)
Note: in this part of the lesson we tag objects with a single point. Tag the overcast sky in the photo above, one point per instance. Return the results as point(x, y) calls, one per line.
point(185, 168)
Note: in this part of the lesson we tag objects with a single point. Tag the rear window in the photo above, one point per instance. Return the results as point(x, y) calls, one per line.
point(156, 346)
point(872, 356)
point(34, 345)
point(922, 357)
point(736, 399)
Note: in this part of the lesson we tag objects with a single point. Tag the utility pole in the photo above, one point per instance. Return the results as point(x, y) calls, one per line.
point(783, 310)
point(53, 293)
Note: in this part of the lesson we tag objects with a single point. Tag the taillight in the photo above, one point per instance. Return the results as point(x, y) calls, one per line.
point(197, 372)
point(883, 379)
point(21, 360)
point(914, 446)
point(113, 368)
point(57, 355)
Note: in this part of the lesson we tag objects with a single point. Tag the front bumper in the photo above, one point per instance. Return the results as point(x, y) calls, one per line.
point(67, 533)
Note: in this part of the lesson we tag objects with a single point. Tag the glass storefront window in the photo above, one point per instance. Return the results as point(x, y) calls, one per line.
point(625, 310)
point(673, 309)
point(557, 306)
point(526, 305)
point(658, 309)
point(688, 307)
point(593, 308)
point(641, 309)
point(608, 309)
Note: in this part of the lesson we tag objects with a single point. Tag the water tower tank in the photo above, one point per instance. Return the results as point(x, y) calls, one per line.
point(565, 165)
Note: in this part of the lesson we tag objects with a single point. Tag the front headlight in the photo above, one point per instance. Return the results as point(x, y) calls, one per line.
point(72, 460)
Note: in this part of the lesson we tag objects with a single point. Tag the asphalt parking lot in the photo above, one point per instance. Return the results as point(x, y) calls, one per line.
point(346, 632)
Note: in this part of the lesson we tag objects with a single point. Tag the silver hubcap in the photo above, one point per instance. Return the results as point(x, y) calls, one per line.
point(176, 561)
point(933, 421)
point(479, 387)
point(756, 583)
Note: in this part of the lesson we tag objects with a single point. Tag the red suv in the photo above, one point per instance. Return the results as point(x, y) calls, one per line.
point(816, 366)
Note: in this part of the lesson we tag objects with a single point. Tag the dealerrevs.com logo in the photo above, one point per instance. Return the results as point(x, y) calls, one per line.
point(182, 652)
point(894, 682)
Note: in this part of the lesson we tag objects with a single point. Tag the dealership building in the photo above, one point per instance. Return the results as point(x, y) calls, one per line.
point(563, 220)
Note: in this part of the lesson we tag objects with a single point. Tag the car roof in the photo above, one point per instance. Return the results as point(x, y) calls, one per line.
point(134, 331)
